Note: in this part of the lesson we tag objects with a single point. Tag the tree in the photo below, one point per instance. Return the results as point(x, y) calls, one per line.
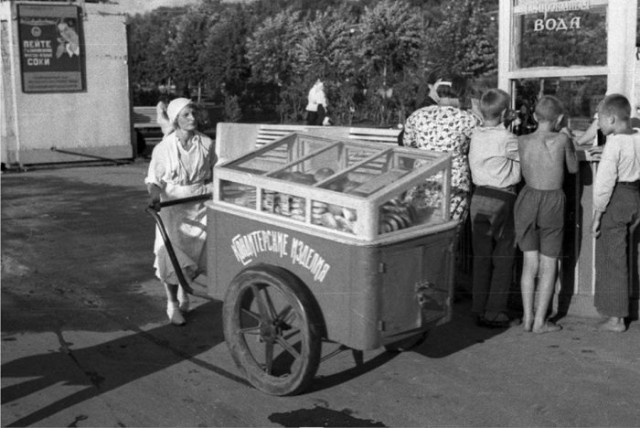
point(390, 42)
point(184, 49)
point(466, 40)
point(149, 35)
point(325, 50)
point(391, 37)
point(224, 55)
point(271, 48)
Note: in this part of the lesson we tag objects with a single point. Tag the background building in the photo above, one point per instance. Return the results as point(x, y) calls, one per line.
point(65, 82)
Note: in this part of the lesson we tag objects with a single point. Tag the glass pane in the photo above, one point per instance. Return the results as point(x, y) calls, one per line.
point(422, 202)
point(324, 162)
point(375, 174)
point(580, 96)
point(282, 204)
point(238, 194)
point(278, 154)
point(333, 216)
point(550, 33)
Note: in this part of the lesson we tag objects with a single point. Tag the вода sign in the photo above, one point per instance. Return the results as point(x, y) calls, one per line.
point(51, 48)
point(560, 33)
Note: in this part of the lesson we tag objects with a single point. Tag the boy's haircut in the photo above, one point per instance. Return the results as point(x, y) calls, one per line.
point(493, 102)
point(549, 108)
point(616, 105)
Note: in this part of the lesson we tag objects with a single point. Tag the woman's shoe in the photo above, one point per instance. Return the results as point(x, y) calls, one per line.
point(174, 314)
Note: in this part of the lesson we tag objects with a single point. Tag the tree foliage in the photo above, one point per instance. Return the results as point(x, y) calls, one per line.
point(466, 40)
point(271, 48)
point(391, 36)
point(264, 55)
point(184, 49)
point(149, 35)
point(223, 58)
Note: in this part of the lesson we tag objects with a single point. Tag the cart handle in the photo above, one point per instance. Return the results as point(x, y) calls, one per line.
point(167, 242)
point(197, 198)
point(172, 254)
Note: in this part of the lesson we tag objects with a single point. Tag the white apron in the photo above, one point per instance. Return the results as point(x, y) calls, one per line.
point(180, 174)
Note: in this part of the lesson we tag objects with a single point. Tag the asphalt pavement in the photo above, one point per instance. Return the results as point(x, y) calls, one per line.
point(85, 340)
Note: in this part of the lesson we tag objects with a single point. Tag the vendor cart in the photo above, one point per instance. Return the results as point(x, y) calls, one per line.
point(314, 240)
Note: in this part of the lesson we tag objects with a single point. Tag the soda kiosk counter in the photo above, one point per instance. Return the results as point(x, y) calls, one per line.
point(314, 240)
point(578, 51)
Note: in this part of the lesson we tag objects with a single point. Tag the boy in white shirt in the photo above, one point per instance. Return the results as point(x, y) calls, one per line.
point(495, 171)
point(617, 209)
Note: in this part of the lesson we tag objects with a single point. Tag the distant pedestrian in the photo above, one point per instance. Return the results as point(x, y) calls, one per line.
point(317, 105)
point(616, 209)
point(540, 209)
point(495, 172)
point(181, 166)
point(161, 111)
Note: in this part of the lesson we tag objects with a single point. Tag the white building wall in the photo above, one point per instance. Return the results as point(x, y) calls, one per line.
point(95, 122)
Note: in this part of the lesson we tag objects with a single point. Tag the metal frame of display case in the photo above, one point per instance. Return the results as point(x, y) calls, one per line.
point(367, 207)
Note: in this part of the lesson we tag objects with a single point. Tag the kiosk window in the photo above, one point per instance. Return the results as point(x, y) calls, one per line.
point(580, 96)
point(560, 33)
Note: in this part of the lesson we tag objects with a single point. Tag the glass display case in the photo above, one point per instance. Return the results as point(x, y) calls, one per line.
point(342, 187)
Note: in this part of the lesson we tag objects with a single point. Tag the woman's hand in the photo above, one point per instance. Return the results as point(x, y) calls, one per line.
point(154, 196)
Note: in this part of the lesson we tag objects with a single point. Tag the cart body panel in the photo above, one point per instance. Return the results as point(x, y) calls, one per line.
point(369, 295)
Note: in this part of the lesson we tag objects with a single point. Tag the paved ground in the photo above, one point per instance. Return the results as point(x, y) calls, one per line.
point(85, 341)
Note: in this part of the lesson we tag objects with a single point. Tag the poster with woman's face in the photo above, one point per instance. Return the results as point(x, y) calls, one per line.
point(51, 48)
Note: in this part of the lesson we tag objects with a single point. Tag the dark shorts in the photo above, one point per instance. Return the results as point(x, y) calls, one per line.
point(539, 220)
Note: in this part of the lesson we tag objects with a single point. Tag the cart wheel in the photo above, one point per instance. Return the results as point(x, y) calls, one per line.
point(273, 329)
point(407, 344)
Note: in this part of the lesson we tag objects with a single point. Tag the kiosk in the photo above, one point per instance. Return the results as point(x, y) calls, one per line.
point(577, 50)
point(65, 83)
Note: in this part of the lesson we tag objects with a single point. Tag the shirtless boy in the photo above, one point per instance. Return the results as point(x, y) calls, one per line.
point(539, 210)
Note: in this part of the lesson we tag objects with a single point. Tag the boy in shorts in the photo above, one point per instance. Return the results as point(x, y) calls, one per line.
point(539, 210)
point(616, 209)
point(495, 171)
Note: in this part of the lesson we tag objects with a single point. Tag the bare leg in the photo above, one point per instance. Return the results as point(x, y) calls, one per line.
point(528, 287)
point(172, 292)
point(173, 310)
point(183, 300)
point(546, 284)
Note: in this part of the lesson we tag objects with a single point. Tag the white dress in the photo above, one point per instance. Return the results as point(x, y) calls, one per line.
point(182, 173)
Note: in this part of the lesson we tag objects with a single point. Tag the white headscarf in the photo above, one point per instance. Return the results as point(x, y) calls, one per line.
point(175, 107)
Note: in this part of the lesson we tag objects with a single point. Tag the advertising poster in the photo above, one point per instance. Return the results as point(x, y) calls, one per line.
point(52, 54)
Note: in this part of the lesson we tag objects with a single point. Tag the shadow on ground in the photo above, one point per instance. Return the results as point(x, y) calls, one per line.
point(71, 244)
point(110, 365)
